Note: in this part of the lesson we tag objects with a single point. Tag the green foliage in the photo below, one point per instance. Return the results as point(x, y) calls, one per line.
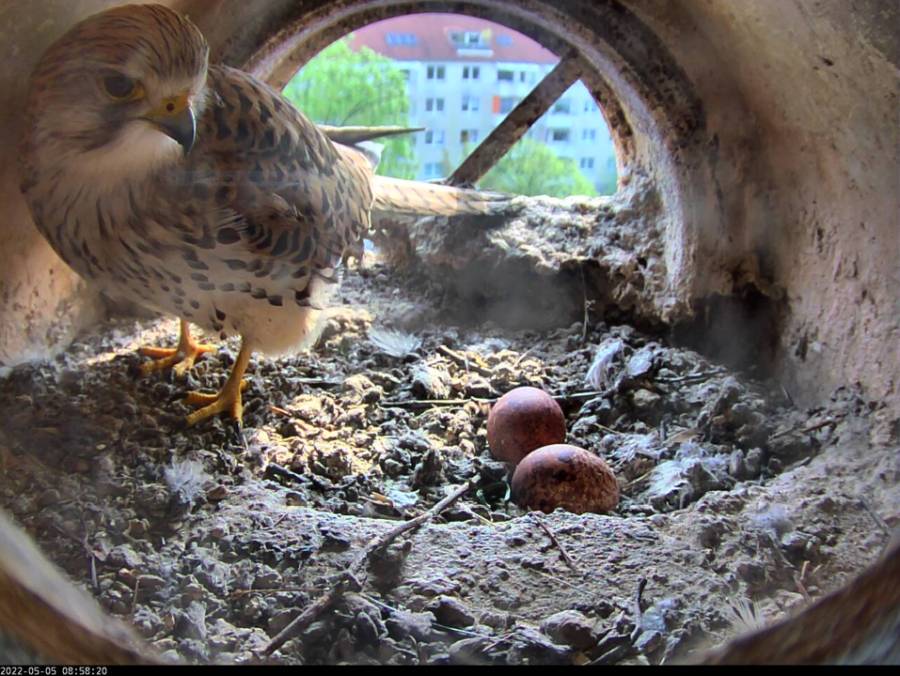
point(342, 87)
point(531, 168)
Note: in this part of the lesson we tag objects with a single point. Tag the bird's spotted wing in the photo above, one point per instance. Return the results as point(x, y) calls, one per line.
point(279, 197)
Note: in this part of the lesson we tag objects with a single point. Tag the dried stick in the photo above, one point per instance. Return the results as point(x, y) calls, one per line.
point(806, 430)
point(637, 610)
point(382, 541)
point(521, 357)
point(558, 544)
point(689, 377)
point(347, 581)
point(463, 361)
point(342, 584)
point(883, 527)
point(428, 403)
point(798, 580)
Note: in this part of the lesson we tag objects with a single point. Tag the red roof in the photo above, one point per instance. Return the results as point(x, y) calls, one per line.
point(432, 40)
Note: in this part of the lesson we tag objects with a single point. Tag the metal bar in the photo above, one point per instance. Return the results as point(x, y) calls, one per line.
point(519, 121)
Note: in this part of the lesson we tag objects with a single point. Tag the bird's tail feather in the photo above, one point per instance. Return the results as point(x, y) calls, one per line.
point(350, 136)
point(432, 199)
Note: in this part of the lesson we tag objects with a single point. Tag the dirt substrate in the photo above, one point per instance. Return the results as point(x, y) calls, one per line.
point(210, 542)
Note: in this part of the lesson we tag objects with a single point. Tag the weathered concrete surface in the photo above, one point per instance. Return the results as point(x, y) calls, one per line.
point(803, 98)
point(42, 302)
point(536, 265)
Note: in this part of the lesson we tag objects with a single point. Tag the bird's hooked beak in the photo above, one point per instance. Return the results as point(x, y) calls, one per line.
point(175, 118)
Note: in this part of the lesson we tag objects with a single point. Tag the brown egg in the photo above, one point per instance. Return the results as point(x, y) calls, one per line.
point(522, 420)
point(565, 476)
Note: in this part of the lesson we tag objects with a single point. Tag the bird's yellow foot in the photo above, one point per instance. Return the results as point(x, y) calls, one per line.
point(180, 359)
point(228, 400)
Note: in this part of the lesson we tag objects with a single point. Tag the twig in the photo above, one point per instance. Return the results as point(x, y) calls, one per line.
point(806, 430)
point(427, 403)
point(558, 544)
point(876, 517)
point(637, 611)
point(463, 361)
point(321, 382)
point(347, 581)
point(787, 395)
point(237, 593)
point(430, 403)
point(385, 539)
point(557, 580)
point(798, 580)
point(285, 473)
point(95, 583)
point(134, 595)
point(280, 411)
point(522, 356)
point(690, 376)
point(344, 582)
point(636, 479)
point(588, 304)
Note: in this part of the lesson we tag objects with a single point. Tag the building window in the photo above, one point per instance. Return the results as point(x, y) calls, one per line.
point(559, 135)
point(435, 73)
point(401, 39)
point(586, 163)
point(562, 107)
point(505, 75)
point(405, 72)
point(432, 104)
point(434, 137)
point(504, 40)
point(588, 134)
point(468, 136)
point(467, 39)
point(470, 103)
point(432, 169)
point(471, 72)
point(589, 105)
point(504, 104)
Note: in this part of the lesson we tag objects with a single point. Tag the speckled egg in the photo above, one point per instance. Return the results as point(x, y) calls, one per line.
point(565, 476)
point(522, 420)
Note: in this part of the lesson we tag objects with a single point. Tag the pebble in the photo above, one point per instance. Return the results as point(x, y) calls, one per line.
point(572, 628)
point(451, 612)
point(648, 642)
point(473, 650)
point(402, 624)
point(191, 622)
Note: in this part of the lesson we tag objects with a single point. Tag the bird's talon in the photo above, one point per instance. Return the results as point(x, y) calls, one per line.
point(228, 400)
point(157, 352)
point(180, 359)
point(236, 433)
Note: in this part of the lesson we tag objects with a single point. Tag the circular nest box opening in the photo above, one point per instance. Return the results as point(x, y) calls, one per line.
point(360, 515)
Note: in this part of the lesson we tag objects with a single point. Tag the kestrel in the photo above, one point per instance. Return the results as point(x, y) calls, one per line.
point(197, 190)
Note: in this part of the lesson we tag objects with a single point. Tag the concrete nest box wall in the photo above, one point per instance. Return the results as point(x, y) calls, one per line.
point(769, 131)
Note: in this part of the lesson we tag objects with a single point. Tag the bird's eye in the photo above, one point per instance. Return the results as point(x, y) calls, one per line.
point(119, 86)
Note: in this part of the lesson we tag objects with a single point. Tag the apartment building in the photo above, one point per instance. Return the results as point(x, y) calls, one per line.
point(464, 75)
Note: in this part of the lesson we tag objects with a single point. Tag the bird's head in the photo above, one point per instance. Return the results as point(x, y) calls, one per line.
point(119, 93)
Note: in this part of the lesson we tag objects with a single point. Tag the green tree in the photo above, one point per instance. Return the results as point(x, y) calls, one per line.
point(531, 168)
point(340, 87)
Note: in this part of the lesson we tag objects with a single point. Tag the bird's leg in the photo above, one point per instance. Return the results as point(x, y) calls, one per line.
point(180, 359)
point(229, 397)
